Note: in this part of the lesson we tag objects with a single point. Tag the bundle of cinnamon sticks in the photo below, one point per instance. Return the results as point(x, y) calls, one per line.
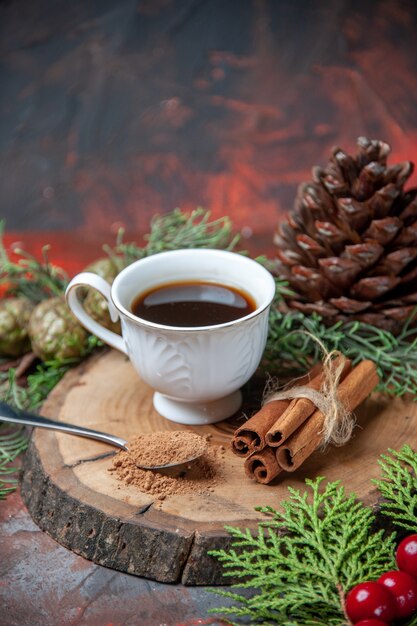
point(284, 433)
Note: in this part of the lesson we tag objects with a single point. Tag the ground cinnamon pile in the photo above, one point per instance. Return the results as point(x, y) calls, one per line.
point(164, 447)
point(198, 476)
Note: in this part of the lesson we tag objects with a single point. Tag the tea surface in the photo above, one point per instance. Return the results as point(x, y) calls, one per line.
point(191, 304)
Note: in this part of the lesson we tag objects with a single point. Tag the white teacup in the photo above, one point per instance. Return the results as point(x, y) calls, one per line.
point(197, 372)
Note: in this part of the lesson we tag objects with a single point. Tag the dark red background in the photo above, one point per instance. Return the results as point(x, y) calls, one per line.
point(113, 110)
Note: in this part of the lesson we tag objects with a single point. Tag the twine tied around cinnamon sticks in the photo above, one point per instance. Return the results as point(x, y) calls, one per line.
point(296, 421)
point(338, 420)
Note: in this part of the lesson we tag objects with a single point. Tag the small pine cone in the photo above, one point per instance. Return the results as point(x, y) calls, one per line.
point(54, 331)
point(14, 319)
point(349, 247)
point(94, 303)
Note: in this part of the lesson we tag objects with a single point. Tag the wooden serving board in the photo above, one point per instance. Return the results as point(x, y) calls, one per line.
point(72, 496)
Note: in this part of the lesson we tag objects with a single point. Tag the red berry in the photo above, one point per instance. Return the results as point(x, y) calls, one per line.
point(370, 600)
point(404, 589)
point(406, 555)
point(371, 622)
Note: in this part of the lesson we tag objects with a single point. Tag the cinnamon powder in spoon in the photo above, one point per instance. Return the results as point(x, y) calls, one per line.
point(164, 448)
point(198, 476)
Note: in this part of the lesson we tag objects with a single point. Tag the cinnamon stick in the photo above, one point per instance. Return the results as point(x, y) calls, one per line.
point(299, 410)
point(353, 390)
point(250, 437)
point(262, 466)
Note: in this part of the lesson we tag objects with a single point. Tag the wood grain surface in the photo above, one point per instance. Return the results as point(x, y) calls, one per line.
point(73, 497)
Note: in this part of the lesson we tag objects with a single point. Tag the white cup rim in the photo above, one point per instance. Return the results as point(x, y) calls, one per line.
point(192, 252)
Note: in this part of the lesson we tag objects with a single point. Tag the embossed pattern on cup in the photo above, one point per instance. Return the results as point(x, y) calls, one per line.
point(199, 366)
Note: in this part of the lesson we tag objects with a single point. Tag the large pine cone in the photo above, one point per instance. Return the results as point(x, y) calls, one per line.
point(349, 247)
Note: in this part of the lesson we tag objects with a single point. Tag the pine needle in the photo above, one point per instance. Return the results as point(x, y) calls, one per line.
point(301, 563)
point(13, 439)
point(13, 443)
point(178, 230)
point(28, 276)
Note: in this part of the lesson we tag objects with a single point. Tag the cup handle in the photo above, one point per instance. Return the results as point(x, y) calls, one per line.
point(88, 279)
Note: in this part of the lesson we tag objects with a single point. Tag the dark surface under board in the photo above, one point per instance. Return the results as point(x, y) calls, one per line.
point(44, 584)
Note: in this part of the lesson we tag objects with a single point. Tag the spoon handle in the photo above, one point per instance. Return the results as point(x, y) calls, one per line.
point(14, 416)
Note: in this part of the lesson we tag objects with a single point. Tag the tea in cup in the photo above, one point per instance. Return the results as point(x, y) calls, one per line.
point(194, 326)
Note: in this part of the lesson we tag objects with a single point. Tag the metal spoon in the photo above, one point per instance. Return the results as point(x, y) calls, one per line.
point(15, 416)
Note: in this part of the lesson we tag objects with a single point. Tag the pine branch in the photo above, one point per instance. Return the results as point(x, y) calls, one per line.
point(398, 487)
point(177, 230)
point(305, 558)
point(38, 279)
point(14, 440)
point(10, 390)
point(290, 350)
point(13, 443)
point(28, 276)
